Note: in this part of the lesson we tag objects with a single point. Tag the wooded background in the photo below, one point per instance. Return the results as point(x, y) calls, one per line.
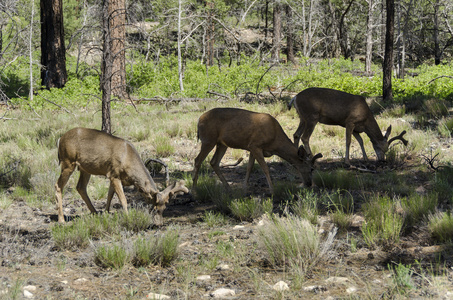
point(111, 35)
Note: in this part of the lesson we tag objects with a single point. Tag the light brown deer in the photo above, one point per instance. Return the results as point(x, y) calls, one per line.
point(95, 152)
point(332, 107)
point(258, 133)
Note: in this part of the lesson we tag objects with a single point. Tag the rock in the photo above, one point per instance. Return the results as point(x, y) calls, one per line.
point(223, 267)
point(315, 288)
point(30, 288)
point(337, 279)
point(351, 290)
point(223, 293)
point(80, 281)
point(154, 296)
point(239, 227)
point(27, 294)
point(281, 286)
point(204, 277)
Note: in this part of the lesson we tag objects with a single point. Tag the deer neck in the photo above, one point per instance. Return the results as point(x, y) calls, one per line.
point(288, 152)
point(373, 131)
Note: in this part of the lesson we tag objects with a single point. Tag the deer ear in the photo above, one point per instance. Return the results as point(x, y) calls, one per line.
point(302, 153)
point(387, 132)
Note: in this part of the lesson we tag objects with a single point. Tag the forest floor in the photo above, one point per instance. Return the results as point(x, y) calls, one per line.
point(32, 267)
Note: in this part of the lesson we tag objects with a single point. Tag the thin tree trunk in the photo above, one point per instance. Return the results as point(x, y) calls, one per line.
point(53, 52)
point(290, 35)
point(369, 38)
point(277, 31)
point(210, 35)
point(106, 75)
point(180, 75)
point(30, 95)
point(437, 52)
point(117, 17)
point(387, 92)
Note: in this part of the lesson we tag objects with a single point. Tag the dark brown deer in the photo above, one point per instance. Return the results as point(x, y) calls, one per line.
point(332, 107)
point(258, 133)
point(95, 152)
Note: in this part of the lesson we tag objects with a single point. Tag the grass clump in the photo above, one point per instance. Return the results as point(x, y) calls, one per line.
point(402, 278)
point(160, 250)
point(293, 241)
point(383, 221)
point(213, 219)
point(72, 236)
point(136, 220)
point(114, 257)
point(163, 146)
point(443, 183)
point(306, 205)
point(247, 209)
point(440, 226)
point(417, 208)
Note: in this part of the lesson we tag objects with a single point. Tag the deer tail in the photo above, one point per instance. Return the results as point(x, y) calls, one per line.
point(291, 102)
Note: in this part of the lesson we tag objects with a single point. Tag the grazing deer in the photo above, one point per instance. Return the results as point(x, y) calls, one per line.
point(95, 152)
point(259, 133)
point(334, 107)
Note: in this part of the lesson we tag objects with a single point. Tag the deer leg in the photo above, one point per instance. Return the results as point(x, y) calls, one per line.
point(349, 130)
point(298, 133)
point(359, 139)
point(66, 171)
point(109, 197)
point(118, 188)
point(308, 130)
point(205, 149)
point(249, 169)
point(82, 189)
point(258, 154)
point(215, 162)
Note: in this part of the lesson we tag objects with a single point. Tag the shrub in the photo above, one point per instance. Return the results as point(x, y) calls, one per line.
point(383, 222)
point(213, 219)
point(160, 250)
point(306, 205)
point(440, 226)
point(294, 242)
point(250, 208)
point(417, 207)
point(114, 257)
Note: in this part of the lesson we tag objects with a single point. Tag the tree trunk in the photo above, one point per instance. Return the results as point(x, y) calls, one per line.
point(106, 68)
point(343, 33)
point(437, 52)
point(388, 56)
point(53, 52)
point(369, 38)
point(180, 75)
point(117, 17)
point(290, 35)
point(277, 31)
point(210, 34)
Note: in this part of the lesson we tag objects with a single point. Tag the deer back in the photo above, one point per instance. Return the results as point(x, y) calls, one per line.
point(239, 128)
point(99, 153)
point(332, 107)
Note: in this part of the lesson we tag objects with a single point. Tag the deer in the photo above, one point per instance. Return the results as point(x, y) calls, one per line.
point(96, 152)
point(258, 133)
point(333, 107)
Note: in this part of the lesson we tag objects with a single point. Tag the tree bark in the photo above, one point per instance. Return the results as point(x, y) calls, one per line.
point(437, 52)
point(290, 35)
point(369, 38)
point(210, 34)
point(53, 52)
point(388, 55)
point(106, 68)
point(117, 18)
point(277, 31)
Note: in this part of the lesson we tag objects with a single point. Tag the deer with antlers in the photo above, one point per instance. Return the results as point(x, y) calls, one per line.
point(258, 133)
point(95, 152)
point(332, 107)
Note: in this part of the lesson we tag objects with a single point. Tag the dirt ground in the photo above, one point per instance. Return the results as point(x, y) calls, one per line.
point(32, 267)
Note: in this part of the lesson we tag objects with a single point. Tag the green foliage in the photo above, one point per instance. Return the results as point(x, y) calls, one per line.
point(306, 206)
point(161, 250)
point(247, 209)
point(114, 257)
point(213, 219)
point(443, 183)
point(441, 227)
point(292, 241)
point(383, 221)
point(402, 277)
point(418, 207)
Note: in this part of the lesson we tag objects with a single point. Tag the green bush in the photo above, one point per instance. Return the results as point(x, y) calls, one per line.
point(114, 257)
point(441, 227)
point(247, 209)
